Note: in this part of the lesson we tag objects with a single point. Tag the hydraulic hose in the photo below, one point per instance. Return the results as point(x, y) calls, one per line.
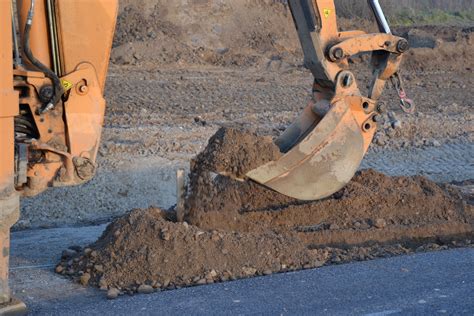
point(57, 86)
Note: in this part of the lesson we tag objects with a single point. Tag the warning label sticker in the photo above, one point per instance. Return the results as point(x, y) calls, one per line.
point(66, 85)
point(327, 13)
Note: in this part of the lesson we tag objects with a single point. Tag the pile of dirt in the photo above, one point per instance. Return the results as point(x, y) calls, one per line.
point(235, 152)
point(143, 247)
point(260, 34)
point(237, 229)
point(232, 153)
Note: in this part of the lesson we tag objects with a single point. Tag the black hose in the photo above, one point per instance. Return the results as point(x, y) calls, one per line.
point(58, 88)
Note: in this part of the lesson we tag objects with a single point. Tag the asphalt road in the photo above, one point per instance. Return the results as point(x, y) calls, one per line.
point(420, 284)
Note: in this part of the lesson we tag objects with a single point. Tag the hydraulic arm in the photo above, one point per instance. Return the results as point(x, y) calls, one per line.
point(326, 144)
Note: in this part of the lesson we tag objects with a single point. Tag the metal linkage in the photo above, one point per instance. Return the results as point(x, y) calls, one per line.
point(53, 31)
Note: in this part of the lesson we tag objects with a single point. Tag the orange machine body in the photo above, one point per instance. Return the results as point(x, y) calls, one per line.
point(63, 145)
point(57, 147)
point(9, 200)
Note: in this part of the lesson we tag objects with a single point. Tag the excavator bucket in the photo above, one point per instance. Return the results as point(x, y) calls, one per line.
point(321, 155)
point(324, 148)
point(322, 163)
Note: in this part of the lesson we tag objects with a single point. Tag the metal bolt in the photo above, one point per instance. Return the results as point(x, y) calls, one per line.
point(83, 89)
point(402, 45)
point(337, 54)
point(381, 108)
point(376, 118)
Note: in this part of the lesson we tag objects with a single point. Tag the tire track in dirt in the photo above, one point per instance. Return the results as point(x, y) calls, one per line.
point(447, 163)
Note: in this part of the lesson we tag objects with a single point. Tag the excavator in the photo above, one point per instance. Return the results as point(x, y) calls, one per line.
point(54, 61)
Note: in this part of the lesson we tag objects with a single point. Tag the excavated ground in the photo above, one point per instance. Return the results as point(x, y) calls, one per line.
point(181, 70)
point(238, 229)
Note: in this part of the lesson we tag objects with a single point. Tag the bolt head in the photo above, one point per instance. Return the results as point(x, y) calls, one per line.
point(381, 108)
point(338, 53)
point(403, 46)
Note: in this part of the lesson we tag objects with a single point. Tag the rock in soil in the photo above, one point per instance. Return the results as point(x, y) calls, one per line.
point(113, 293)
point(85, 279)
point(145, 289)
point(238, 229)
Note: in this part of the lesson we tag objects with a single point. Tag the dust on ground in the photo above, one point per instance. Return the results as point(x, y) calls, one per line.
point(245, 230)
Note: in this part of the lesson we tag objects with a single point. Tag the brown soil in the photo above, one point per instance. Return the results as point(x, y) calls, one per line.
point(256, 33)
point(235, 152)
point(238, 230)
point(202, 32)
point(231, 152)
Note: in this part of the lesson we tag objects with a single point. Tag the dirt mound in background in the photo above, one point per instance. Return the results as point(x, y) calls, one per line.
point(439, 48)
point(203, 32)
point(255, 33)
point(372, 208)
point(245, 230)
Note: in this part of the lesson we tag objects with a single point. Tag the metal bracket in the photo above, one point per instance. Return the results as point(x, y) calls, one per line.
point(21, 164)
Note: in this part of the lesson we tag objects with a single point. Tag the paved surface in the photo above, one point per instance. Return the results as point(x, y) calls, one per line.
point(429, 283)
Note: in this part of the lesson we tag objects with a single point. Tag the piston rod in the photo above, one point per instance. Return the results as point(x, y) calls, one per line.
point(380, 16)
point(17, 60)
point(53, 35)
